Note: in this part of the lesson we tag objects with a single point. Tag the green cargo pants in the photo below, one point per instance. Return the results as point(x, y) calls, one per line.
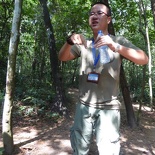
point(103, 123)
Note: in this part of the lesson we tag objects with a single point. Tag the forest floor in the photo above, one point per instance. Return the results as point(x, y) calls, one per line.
point(39, 136)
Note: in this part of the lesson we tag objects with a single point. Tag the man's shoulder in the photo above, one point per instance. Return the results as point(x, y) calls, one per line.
point(117, 37)
point(120, 39)
point(123, 41)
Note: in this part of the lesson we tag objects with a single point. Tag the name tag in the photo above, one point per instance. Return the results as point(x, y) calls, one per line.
point(93, 77)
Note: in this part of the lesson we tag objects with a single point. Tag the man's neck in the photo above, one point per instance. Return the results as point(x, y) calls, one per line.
point(95, 33)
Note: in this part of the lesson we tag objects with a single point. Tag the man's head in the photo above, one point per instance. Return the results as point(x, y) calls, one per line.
point(105, 4)
point(99, 17)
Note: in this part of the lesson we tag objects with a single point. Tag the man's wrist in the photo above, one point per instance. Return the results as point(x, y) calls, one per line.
point(117, 47)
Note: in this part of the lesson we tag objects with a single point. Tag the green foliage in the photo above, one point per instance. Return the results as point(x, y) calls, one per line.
point(1, 102)
point(68, 10)
point(21, 110)
point(6, 8)
point(33, 97)
point(33, 71)
point(53, 116)
point(1, 150)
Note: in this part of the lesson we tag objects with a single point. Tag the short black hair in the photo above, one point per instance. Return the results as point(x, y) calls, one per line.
point(103, 3)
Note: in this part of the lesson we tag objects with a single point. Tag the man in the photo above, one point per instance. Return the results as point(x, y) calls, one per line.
point(97, 110)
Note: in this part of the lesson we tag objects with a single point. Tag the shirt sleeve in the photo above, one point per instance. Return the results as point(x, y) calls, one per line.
point(123, 41)
point(75, 50)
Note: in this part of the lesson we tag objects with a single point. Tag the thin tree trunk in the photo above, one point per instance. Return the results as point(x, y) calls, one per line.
point(8, 102)
point(60, 99)
point(141, 96)
point(127, 100)
point(145, 34)
point(150, 68)
point(153, 10)
point(74, 73)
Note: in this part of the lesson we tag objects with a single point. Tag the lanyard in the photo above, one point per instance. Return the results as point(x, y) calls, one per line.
point(96, 59)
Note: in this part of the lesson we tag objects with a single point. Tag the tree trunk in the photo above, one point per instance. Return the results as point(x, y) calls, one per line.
point(127, 100)
point(143, 16)
point(153, 10)
point(8, 103)
point(141, 96)
point(74, 73)
point(60, 99)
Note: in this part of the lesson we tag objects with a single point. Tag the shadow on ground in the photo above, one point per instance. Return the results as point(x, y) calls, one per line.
point(37, 136)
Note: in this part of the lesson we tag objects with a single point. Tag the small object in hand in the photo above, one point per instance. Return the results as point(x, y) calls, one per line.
point(69, 40)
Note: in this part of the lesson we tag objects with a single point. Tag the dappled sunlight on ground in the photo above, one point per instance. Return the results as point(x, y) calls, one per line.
point(37, 136)
point(43, 139)
point(141, 140)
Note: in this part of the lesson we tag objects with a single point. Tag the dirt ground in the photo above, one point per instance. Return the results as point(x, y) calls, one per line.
point(38, 136)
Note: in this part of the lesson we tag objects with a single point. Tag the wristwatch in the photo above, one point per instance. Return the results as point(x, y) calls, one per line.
point(69, 40)
point(117, 47)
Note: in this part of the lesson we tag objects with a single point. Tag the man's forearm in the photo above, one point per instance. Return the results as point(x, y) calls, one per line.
point(65, 53)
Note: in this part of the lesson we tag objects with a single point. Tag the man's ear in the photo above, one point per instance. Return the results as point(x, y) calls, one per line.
point(109, 20)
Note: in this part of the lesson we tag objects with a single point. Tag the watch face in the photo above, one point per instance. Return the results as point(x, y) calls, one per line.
point(93, 77)
point(117, 47)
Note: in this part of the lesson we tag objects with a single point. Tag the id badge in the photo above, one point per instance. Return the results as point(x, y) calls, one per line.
point(93, 77)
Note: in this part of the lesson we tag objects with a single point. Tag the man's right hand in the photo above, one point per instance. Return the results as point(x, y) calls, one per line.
point(79, 39)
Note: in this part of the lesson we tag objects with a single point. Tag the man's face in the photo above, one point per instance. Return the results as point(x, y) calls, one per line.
point(98, 18)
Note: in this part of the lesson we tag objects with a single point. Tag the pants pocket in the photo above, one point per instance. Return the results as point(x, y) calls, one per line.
point(79, 141)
